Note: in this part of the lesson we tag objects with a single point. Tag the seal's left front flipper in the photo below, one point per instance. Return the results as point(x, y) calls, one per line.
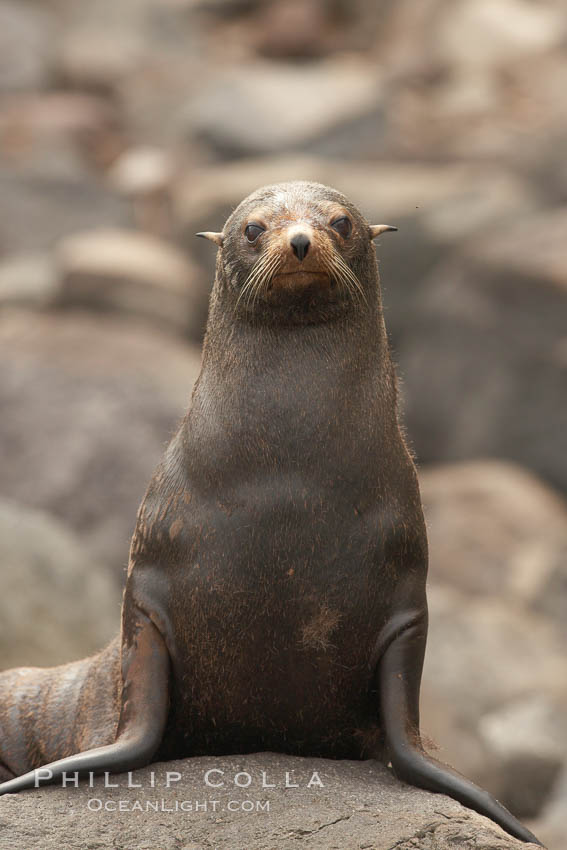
point(143, 716)
point(398, 679)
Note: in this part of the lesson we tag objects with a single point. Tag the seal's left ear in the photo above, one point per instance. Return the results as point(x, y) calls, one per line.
point(217, 238)
point(377, 229)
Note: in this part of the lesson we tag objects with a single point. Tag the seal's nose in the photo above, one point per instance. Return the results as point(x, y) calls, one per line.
point(300, 244)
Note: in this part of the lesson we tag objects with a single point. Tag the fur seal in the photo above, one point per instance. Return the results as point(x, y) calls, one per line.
point(275, 597)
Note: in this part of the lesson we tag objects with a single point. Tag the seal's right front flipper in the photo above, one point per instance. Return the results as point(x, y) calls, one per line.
point(143, 716)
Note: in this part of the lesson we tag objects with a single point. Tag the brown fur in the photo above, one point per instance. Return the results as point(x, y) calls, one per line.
point(275, 596)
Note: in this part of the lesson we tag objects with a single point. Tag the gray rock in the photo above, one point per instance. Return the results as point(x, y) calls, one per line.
point(38, 209)
point(301, 29)
point(57, 603)
point(485, 653)
point(28, 280)
point(551, 601)
point(129, 272)
point(145, 56)
point(97, 57)
point(485, 657)
point(498, 32)
point(58, 134)
point(142, 171)
point(146, 175)
point(484, 361)
point(495, 531)
point(87, 406)
point(25, 45)
point(360, 804)
point(529, 740)
point(531, 249)
point(551, 826)
point(321, 108)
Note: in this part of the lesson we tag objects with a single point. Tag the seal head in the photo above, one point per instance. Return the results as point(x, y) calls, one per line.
point(295, 245)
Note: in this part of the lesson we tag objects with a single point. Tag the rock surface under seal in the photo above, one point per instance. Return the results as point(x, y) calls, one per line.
point(359, 805)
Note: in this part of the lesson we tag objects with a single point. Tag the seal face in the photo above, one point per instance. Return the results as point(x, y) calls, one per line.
point(299, 245)
point(275, 596)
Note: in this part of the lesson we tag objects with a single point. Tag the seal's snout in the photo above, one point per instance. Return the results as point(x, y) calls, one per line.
point(300, 243)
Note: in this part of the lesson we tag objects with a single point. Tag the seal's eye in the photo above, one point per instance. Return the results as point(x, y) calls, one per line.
point(343, 226)
point(253, 231)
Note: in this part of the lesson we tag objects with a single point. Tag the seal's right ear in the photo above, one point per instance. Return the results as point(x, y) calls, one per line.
point(377, 229)
point(217, 238)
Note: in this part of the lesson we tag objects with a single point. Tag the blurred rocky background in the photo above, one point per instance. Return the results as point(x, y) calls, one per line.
point(127, 126)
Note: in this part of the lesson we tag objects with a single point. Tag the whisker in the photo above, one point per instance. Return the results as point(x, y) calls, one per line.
point(254, 274)
point(267, 277)
point(348, 278)
point(258, 279)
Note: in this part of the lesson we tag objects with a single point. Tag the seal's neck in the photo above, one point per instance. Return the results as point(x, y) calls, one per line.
point(294, 386)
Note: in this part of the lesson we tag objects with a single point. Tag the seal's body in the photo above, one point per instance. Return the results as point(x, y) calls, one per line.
point(276, 588)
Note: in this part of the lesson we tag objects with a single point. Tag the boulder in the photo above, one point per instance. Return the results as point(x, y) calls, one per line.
point(550, 828)
point(485, 658)
point(328, 108)
point(484, 361)
point(499, 32)
point(328, 805)
point(26, 32)
point(58, 603)
point(529, 739)
point(495, 530)
point(37, 208)
point(301, 29)
point(143, 171)
point(88, 404)
point(129, 272)
point(28, 280)
point(57, 133)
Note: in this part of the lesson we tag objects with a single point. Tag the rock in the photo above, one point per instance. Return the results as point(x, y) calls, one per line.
point(531, 249)
point(358, 804)
point(28, 280)
point(551, 601)
point(142, 171)
point(129, 272)
point(26, 33)
point(489, 652)
point(57, 603)
point(491, 96)
point(146, 175)
point(87, 406)
point(498, 31)
point(551, 826)
point(320, 108)
point(146, 57)
point(494, 696)
point(494, 531)
point(529, 739)
point(222, 8)
point(38, 209)
point(484, 360)
point(296, 29)
point(485, 658)
point(57, 133)
point(97, 59)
